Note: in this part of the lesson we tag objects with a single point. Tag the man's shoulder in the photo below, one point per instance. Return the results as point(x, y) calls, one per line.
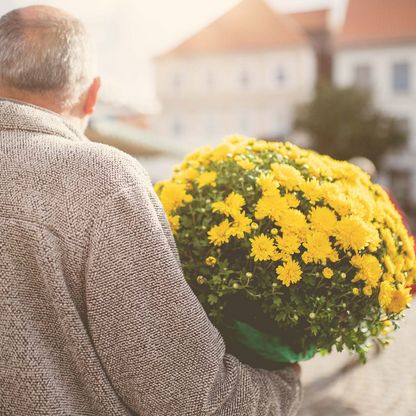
point(98, 165)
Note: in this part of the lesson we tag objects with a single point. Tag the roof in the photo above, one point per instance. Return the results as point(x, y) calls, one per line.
point(312, 21)
point(250, 25)
point(378, 21)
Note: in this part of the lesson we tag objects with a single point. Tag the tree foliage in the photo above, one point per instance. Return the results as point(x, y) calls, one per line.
point(343, 123)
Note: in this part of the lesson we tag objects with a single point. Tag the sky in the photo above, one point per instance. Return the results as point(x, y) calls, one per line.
point(129, 33)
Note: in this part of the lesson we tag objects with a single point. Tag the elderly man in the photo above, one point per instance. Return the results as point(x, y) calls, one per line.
point(95, 315)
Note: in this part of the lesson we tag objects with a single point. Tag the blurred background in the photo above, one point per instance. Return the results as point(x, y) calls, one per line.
point(338, 76)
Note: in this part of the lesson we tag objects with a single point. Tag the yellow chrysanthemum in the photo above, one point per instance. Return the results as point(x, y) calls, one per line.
point(367, 290)
point(327, 273)
point(220, 234)
point(262, 248)
point(172, 196)
point(260, 146)
point(287, 176)
point(291, 200)
point(289, 273)
point(323, 219)
point(240, 225)
point(389, 241)
point(245, 164)
point(369, 269)
point(355, 291)
point(353, 233)
point(221, 152)
point(318, 249)
point(232, 205)
point(268, 185)
point(210, 261)
point(288, 243)
point(174, 222)
point(400, 299)
point(188, 174)
point(385, 295)
point(271, 207)
point(335, 199)
point(292, 221)
point(206, 178)
point(312, 190)
point(388, 263)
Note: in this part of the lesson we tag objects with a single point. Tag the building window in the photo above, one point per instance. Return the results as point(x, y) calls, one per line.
point(245, 78)
point(280, 76)
point(363, 76)
point(401, 77)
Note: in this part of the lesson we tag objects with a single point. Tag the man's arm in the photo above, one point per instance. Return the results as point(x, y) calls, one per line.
point(159, 349)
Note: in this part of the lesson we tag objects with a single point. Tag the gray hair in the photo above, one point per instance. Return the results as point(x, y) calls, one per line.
point(46, 51)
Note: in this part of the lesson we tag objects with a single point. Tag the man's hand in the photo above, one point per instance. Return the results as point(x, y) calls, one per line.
point(297, 368)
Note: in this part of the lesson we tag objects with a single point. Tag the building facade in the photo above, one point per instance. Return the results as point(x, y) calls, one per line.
point(245, 73)
point(375, 50)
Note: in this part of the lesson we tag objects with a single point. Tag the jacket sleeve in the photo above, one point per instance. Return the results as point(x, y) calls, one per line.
point(155, 342)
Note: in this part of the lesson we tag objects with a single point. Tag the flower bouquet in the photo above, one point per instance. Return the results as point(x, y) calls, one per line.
point(288, 251)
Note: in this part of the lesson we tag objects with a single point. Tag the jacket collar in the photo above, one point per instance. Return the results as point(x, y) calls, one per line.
point(17, 115)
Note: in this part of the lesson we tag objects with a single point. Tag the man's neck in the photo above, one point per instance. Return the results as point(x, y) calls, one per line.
point(43, 101)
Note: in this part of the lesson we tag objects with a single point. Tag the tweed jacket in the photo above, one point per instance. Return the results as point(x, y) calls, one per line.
point(95, 315)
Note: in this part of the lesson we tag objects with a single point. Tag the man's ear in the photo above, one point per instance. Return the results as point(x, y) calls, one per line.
point(92, 96)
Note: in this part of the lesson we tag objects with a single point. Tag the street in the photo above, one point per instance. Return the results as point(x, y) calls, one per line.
point(386, 385)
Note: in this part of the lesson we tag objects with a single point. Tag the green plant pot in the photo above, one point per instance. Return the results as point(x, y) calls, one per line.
point(260, 349)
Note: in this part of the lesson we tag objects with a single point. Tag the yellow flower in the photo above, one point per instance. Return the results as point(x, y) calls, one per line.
point(289, 273)
point(318, 249)
point(327, 273)
point(262, 248)
point(353, 233)
point(287, 176)
point(355, 291)
point(172, 196)
point(268, 185)
point(235, 201)
point(174, 222)
point(323, 219)
point(245, 164)
point(388, 327)
point(272, 207)
point(385, 295)
point(260, 145)
point(335, 199)
point(312, 190)
point(374, 240)
point(389, 241)
point(288, 243)
point(188, 174)
point(188, 199)
point(368, 291)
point(240, 225)
point(369, 269)
point(291, 221)
point(158, 186)
point(210, 261)
point(230, 206)
point(220, 234)
point(221, 152)
point(292, 201)
point(400, 299)
point(206, 178)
